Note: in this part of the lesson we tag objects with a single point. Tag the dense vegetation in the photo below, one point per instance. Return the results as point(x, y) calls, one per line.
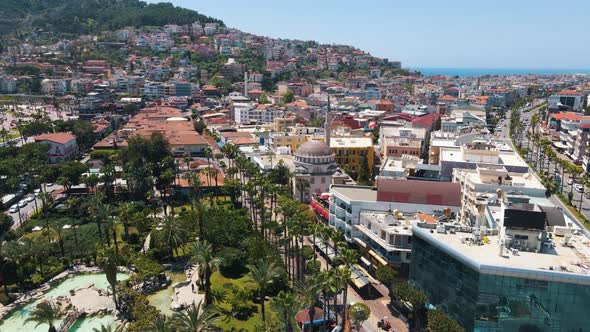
point(91, 16)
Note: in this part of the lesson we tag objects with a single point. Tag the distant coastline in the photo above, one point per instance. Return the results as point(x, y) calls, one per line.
point(464, 72)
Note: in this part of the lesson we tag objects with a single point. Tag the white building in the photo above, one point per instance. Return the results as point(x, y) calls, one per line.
point(62, 146)
point(406, 196)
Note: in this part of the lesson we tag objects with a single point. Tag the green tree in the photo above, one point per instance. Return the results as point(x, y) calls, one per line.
point(263, 99)
point(202, 255)
point(45, 312)
point(196, 319)
point(359, 312)
point(263, 273)
point(408, 293)
point(200, 126)
point(438, 321)
point(309, 292)
point(162, 324)
point(109, 328)
point(171, 234)
point(386, 275)
point(364, 177)
point(287, 97)
point(285, 304)
point(108, 261)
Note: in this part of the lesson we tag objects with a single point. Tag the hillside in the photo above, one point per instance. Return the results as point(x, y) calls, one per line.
point(90, 16)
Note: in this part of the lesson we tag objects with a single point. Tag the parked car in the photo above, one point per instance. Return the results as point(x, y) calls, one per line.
point(587, 194)
point(37, 192)
point(13, 209)
point(578, 187)
point(570, 181)
point(30, 198)
point(22, 203)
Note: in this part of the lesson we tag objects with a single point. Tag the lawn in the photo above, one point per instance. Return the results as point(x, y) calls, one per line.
point(221, 282)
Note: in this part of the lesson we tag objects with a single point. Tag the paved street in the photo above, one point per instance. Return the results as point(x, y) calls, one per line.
point(577, 196)
point(26, 212)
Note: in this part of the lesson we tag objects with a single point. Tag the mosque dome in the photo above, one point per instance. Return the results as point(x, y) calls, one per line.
point(314, 152)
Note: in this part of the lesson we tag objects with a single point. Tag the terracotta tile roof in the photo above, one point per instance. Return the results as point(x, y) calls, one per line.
point(419, 192)
point(567, 115)
point(426, 121)
point(61, 138)
point(569, 92)
point(447, 98)
point(423, 217)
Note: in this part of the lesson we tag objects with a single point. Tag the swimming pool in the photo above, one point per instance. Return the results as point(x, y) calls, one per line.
point(15, 322)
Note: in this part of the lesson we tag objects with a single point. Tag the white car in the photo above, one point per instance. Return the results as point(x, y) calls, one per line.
point(37, 192)
point(578, 187)
point(13, 209)
point(30, 198)
point(22, 203)
point(570, 181)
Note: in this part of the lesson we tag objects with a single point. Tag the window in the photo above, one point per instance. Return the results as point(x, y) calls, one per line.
point(383, 234)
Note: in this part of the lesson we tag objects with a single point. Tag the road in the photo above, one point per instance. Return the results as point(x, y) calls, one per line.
point(577, 196)
point(26, 212)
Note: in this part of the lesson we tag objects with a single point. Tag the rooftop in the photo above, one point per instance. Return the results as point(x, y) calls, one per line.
point(351, 142)
point(561, 263)
point(356, 193)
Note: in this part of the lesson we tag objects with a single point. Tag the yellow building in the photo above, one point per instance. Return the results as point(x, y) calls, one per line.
point(349, 150)
point(293, 141)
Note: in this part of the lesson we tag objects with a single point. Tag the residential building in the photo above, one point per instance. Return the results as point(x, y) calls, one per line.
point(62, 146)
point(406, 196)
point(349, 152)
point(485, 183)
point(571, 100)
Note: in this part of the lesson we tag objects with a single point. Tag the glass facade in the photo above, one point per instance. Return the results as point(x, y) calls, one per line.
point(485, 302)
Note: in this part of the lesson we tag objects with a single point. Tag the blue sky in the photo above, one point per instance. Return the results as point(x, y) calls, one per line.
point(426, 33)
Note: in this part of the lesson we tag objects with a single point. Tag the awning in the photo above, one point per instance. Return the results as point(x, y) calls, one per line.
point(365, 261)
point(559, 145)
point(377, 257)
point(360, 242)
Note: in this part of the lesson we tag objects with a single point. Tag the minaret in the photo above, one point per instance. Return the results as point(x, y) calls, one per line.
point(328, 122)
point(245, 83)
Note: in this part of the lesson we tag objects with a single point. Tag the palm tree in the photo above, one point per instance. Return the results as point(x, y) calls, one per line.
point(45, 312)
point(195, 319)
point(161, 324)
point(108, 261)
point(347, 257)
point(172, 234)
point(309, 292)
point(285, 304)
point(329, 286)
point(202, 255)
point(124, 214)
point(263, 274)
point(109, 328)
point(47, 200)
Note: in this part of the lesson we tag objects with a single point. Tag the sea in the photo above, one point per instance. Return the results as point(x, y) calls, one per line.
point(464, 72)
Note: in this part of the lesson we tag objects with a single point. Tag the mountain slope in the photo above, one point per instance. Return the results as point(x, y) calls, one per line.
point(89, 16)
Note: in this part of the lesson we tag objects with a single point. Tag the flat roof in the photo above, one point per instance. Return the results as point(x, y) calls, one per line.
point(351, 142)
point(356, 193)
point(569, 264)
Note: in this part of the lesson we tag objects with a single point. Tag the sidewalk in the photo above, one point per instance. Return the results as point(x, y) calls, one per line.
point(378, 306)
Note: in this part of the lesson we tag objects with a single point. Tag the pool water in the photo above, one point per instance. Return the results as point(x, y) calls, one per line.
point(163, 298)
point(16, 321)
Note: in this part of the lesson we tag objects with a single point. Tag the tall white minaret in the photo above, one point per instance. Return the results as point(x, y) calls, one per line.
point(328, 122)
point(246, 83)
